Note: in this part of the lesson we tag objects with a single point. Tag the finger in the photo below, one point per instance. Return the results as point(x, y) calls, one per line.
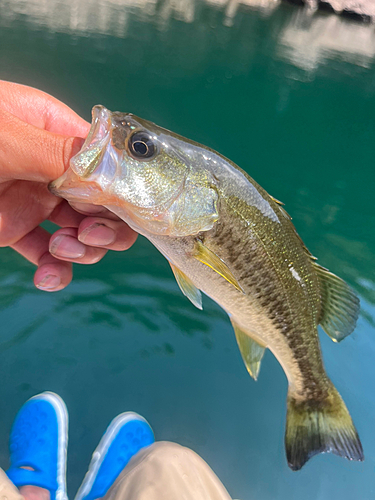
point(64, 245)
point(102, 232)
point(52, 275)
point(65, 216)
point(30, 153)
point(89, 209)
point(33, 245)
point(23, 206)
point(118, 233)
point(41, 110)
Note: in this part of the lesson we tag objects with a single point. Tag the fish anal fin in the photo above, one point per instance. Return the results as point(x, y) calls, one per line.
point(187, 287)
point(251, 351)
point(314, 427)
point(339, 305)
point(210, 259)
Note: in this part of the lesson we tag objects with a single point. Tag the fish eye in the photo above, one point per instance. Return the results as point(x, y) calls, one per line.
point(141, 146)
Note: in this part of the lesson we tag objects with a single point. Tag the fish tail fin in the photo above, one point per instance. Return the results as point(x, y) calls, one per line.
point(314, 427)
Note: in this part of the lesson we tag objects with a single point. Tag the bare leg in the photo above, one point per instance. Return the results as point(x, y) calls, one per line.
point(34, 493)
point(10, 492)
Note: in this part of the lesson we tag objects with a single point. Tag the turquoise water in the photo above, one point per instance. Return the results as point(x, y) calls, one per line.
point(291, 99)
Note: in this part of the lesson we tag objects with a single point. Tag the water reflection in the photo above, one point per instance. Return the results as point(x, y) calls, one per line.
point(306, 39)
point(110, 300)
point(112, 16)
point(310, 40)
point(231, 7)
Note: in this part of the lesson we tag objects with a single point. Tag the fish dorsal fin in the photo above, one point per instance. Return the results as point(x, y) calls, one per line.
point(340, 305)
point(276, 200)
point(285, 213)
point(251, 351)
point(187, 287)
point(210, 259)
point(281, 207)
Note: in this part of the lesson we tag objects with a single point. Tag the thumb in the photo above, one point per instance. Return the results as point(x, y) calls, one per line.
point(30, 153)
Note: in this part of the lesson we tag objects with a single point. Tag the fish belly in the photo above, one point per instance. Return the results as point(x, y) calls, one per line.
point(244, 308)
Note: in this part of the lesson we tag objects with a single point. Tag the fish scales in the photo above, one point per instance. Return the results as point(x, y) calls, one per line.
point(224, 235)
point(272, 293)
point(265, 274)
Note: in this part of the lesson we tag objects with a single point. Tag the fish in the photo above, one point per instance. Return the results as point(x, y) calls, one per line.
point(225, 236)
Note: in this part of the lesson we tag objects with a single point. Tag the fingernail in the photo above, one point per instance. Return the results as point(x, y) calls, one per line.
point(97, 235)
point(67, 247)
point(87, 208)
point(49, 282)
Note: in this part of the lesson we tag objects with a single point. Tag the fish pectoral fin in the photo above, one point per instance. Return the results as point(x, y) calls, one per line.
point(187, 287)
point(210, 259)
point(251, 351)
point(339, 303)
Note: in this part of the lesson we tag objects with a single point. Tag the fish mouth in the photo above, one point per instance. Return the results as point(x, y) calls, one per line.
point(86, 161)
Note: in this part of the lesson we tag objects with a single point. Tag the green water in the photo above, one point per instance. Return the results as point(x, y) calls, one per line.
point(289, 98)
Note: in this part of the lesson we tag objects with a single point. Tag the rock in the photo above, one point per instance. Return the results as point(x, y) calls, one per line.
point(362, 10)
point(297, 2)
point(310, 41)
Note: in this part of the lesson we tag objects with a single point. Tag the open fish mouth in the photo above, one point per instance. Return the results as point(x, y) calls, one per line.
point(87, 160)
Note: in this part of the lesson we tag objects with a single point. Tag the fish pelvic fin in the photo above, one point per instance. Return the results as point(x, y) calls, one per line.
point(187, 287)
point(340, 305)
point(251, 351)
point(314, 427)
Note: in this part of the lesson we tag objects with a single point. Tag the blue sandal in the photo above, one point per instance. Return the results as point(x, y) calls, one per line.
point(39, 440)
point(124, 437)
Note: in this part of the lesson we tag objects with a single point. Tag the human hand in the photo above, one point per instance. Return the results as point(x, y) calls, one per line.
point(38, 136)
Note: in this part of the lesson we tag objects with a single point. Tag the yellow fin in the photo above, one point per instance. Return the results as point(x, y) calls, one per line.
point(210, 259)
point(277, 201)
point(251, 352)
point(187, 287)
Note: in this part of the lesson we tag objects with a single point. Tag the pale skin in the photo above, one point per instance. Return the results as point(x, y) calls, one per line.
point(38, 136)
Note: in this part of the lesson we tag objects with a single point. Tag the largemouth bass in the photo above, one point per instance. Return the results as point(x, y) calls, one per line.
point(227, 237)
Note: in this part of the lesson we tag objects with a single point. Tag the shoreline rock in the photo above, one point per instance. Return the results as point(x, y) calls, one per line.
point(359, 10)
